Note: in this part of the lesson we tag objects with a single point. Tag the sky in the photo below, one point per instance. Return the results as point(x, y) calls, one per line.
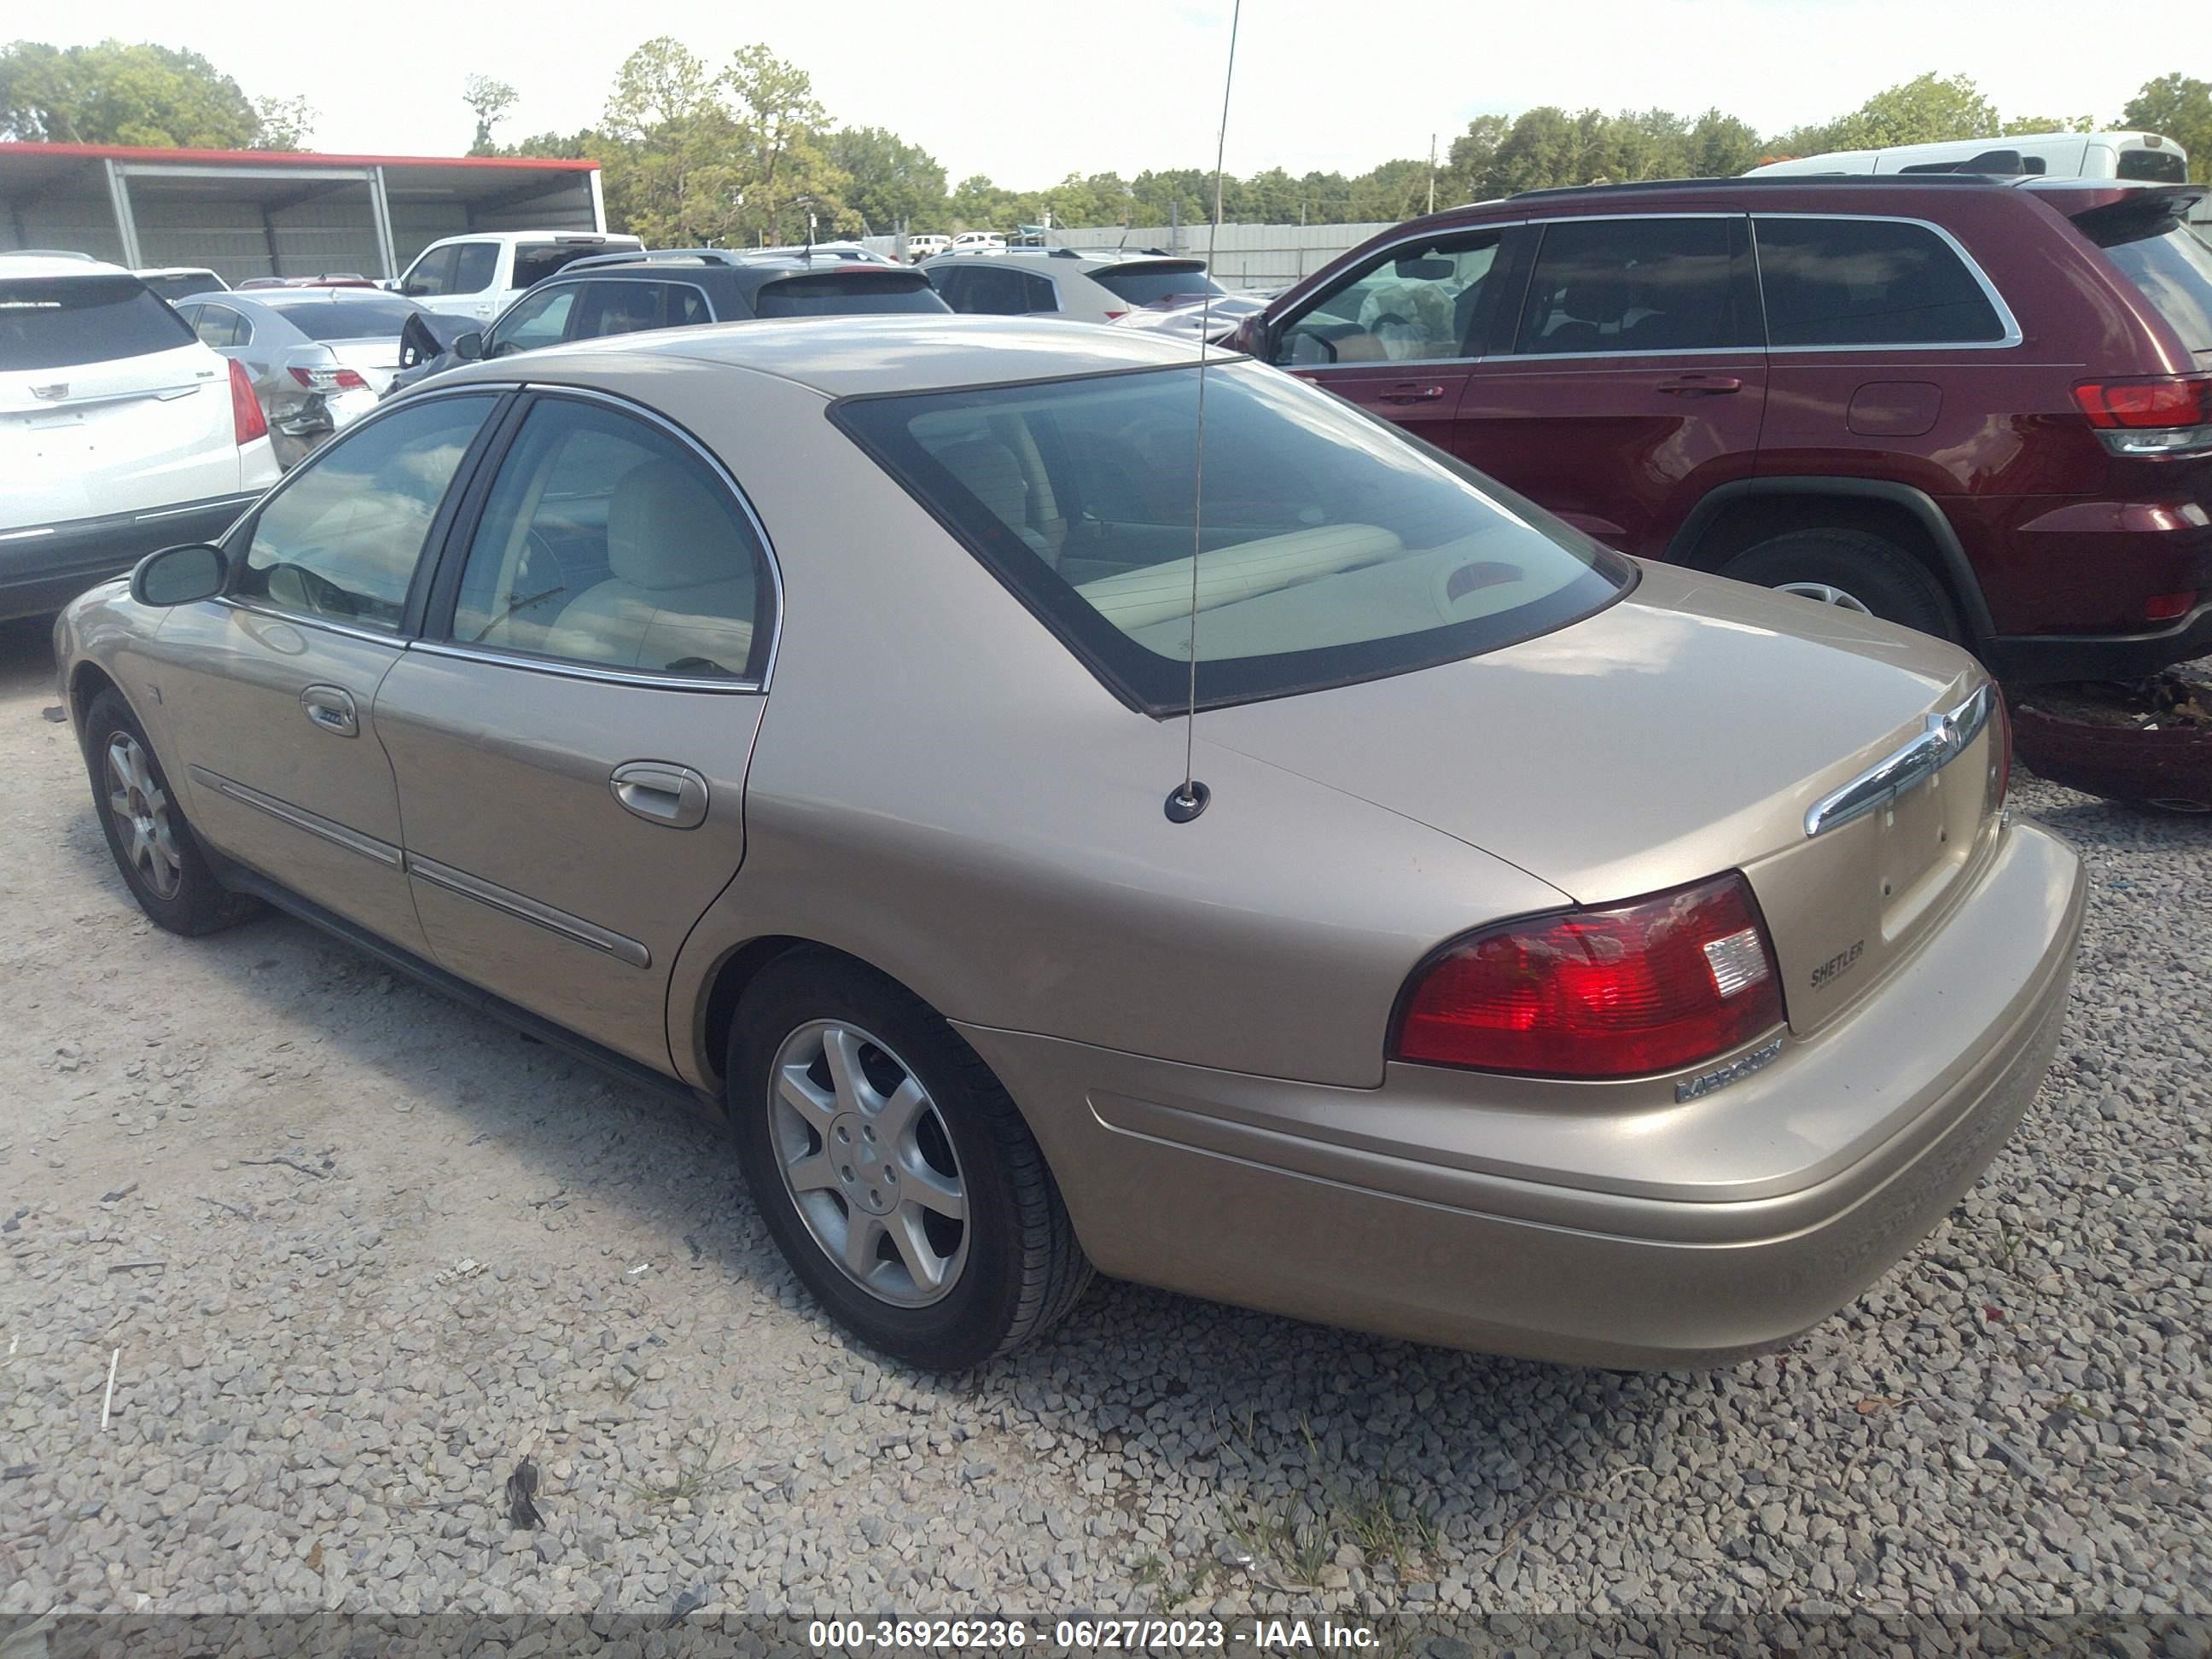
point(1028, 92)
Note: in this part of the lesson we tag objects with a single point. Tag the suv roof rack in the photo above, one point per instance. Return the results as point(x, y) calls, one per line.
point(1773, 179)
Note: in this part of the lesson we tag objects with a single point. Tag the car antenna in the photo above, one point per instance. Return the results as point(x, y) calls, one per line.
point(1188, 799)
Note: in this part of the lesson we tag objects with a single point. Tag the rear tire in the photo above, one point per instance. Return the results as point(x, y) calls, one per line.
point(154, 845)
point(1854, 570)
point(825, 1054)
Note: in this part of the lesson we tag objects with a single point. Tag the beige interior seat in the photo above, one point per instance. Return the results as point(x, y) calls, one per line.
point(683, 590)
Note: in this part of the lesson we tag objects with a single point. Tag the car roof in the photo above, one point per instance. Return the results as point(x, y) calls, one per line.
point(1072, 258)
point(853, 356)
point(746, 274)
point(19, 265)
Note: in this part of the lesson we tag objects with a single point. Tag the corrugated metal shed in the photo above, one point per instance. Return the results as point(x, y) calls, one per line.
point(267, 213)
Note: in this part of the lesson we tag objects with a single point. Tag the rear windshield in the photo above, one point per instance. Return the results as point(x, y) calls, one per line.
point(349, 318)
point(2174, 271)
point(1148, 285)
point(535, 261)
point(1332, 547)
point(59, 322)
point(847, 294)
point(2163, 166)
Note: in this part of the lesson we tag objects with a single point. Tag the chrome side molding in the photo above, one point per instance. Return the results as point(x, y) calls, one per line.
point(1942, 739)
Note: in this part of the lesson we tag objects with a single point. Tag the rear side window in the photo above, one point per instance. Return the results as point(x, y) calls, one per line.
point(59, 322)
point(1332, 549)
point(1151, 285)
point(995, 291)
point(850, 293)
point(348, 319)
point(1607, 285)
point(613, 307)
point(1867, 282)
point(475, 268)
point(2174, 271)
point(535, 261)
point(220, 326)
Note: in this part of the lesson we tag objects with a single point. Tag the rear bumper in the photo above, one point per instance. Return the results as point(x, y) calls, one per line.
point(1294, 1197)
point(44, 567)
point(2047, 658)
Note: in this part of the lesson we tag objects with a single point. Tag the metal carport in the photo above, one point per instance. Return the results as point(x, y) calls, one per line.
point(262, 213)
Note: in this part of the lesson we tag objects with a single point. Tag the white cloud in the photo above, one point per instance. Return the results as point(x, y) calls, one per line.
point(1028, 92)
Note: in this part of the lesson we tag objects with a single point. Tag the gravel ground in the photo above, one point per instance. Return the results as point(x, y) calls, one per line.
point(363, 1252)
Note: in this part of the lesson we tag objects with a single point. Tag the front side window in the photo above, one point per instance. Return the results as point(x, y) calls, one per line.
point(474, 267)
point(1417, 304)
point(59, 322)
point(1612, 285)
point(1868, 282)
point(1329, 548)
point(341, 540)
point(538, 319)
point(431, 274)
point(608, 542)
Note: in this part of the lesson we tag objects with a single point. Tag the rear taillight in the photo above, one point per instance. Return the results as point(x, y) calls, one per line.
point(1650, 986)
point(330, 380)
point(247, 422)
point(1115, 316)
point(2163, 414)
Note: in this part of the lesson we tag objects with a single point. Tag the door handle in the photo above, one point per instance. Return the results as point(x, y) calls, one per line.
point(673, 796)
point(329, 708)
point(1701, 385)
point(1411, 394)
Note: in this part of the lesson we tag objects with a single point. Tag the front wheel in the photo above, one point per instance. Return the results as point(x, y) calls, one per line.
point(1852, 570)
point(145, 826)
point(892, 1169)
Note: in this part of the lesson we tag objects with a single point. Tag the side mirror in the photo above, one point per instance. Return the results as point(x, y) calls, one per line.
point(469, 347)
point(179, 575)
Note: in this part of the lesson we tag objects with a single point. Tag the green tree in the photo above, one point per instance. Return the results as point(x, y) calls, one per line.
point(1472, 165)
point(2026, 126)
point(1719, 146)
point(2179, 107)
point(1543, 149)
point(892, 182)
point(285, 122)
point(118, 93)
point(490, 100)
point(1926, 110)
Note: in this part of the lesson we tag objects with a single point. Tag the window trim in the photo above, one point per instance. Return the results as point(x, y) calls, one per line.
point(434, 635)
point(1502, 230)
point(237, 540)
point(2012, 336)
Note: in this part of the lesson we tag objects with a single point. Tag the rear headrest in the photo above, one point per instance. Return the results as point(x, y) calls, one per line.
point(989, 470)
point(666, 529)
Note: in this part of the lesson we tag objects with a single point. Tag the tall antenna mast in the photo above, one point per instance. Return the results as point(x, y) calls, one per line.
point(1188, 799)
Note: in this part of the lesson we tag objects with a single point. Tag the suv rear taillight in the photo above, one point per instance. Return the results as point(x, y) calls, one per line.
point(246, 420)
point(1650, 986)
point(2162, 414)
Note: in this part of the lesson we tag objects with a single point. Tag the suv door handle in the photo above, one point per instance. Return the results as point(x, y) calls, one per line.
point(1701, 385)
point(329, 708)
point(1407, 392)
point(673, 796)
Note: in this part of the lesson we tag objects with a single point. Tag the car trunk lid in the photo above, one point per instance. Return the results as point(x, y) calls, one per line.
point(88, 439)
point(1687, 730)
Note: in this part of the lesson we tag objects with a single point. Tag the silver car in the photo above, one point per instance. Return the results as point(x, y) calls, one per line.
point(1087, 285)
point(1538, 951)
point(318, 357)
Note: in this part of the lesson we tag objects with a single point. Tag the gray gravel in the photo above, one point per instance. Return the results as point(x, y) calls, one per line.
point(363, 1252)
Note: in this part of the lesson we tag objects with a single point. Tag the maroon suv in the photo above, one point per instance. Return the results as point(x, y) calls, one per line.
point(1981, 408)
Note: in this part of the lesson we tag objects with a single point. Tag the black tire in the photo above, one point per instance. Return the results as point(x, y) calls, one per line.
point(1879, 574)
point(200, 903)
point(1022, 1268)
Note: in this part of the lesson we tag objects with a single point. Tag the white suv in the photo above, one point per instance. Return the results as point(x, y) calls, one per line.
point(120, 432)
point(476, 276)
point(1090, 285)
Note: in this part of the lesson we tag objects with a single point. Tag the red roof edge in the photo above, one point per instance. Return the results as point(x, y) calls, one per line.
point(297, 158)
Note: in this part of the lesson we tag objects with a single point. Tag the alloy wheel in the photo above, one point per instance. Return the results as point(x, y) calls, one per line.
point(140, 807)
point(1826, 594)
point(866, 1159)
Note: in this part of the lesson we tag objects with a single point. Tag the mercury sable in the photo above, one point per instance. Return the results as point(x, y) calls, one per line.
point(1542, 952)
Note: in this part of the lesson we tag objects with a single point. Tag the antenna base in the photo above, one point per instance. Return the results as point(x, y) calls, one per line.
point(1185, 804)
